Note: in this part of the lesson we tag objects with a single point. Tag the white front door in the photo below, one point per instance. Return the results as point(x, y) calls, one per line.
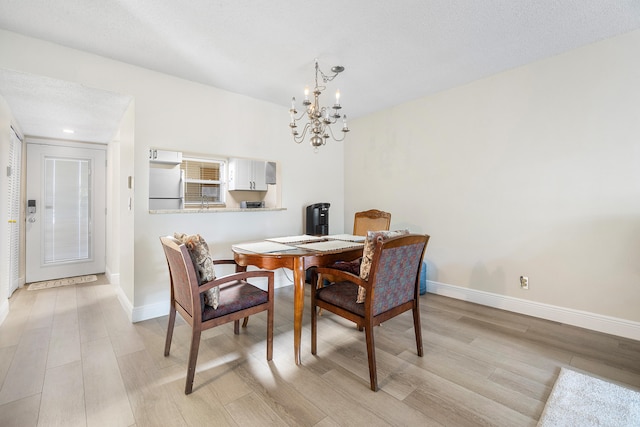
point(65, 231)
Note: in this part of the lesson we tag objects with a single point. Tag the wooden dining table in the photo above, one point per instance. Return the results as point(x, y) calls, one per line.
point(298, 260)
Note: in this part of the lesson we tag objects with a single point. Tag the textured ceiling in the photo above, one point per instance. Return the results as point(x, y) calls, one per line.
point(392, 51)
point(46, 107)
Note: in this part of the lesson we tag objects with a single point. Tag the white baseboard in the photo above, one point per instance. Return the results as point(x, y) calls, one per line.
point(138, 314)
point(595, 322)
point(124, 301)
point(150, 311)
point(113, 278)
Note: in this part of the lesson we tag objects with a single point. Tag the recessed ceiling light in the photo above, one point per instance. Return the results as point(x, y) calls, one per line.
point(68, 131)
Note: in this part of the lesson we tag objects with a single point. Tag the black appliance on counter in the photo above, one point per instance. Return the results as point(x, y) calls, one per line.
point(318, 219)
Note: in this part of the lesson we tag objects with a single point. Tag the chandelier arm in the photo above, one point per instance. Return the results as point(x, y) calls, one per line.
point(300, 137)
point(302, 114)
point(334, 137)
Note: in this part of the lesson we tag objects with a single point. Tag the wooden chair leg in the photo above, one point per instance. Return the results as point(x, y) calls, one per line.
point(193, 357)
point(236, 327)
point(316, 285)
point(314, 327)
point(245, 322)
point(269, 333)
point(371, 353)
point(418, 329)
point(172, 322)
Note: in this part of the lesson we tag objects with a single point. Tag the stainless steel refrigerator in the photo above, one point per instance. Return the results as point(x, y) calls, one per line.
point(166, 187)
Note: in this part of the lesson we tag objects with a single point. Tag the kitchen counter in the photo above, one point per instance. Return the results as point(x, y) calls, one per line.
point(212, 210)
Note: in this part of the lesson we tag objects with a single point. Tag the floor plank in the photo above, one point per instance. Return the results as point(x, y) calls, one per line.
point(26, 373)
point(63, 397)
point(106, 399)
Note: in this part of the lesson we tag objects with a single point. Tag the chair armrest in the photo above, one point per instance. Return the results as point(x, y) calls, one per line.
point(223, 261)
point(340, 275)
point(235, 277)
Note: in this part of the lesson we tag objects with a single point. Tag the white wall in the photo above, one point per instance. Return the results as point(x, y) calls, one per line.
point(123, 244)
point(178, 114)
point(534, 171)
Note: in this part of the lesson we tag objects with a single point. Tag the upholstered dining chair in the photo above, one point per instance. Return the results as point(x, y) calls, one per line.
point(388, 285)
point(238, 299)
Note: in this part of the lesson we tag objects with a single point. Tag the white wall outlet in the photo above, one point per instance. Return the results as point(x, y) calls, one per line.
point(524, 282)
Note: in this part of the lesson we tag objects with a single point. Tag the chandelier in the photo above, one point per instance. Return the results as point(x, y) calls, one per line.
point(319, 119)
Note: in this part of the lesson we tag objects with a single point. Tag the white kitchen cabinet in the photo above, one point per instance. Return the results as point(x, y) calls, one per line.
point(165, 156)
point(247, 174)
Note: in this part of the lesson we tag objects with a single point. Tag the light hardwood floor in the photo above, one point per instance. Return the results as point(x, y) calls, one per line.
point(69, 357)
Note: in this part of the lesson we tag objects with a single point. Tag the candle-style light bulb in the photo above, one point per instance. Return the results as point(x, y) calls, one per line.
point(306, 93)
point(338, 97)
point(344, 122)
point(293, 103)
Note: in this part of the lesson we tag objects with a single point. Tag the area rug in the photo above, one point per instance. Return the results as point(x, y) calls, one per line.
point(581, 400)
point(62, 282)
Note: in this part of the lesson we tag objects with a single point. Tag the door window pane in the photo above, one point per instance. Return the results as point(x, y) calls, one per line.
point(67, 215)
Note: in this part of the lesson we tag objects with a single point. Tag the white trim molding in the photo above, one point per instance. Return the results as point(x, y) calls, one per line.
point(113, 278)
point(124, 302)
point(149, 311)
point(595, 322)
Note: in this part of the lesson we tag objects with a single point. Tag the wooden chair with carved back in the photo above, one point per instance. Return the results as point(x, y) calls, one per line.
point(363, 222)
point(371, 220)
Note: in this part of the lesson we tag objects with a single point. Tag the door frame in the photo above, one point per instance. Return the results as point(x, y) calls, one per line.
point(16, 151)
